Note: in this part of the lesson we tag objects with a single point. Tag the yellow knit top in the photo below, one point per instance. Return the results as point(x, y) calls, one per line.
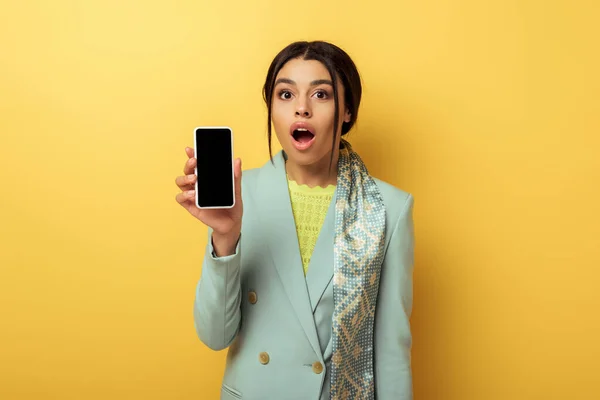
point(309, 206)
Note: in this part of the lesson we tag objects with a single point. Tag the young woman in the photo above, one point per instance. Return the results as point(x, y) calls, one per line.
point(308, 279)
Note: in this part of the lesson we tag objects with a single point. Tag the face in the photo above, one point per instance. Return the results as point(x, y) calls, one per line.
point(302, 111)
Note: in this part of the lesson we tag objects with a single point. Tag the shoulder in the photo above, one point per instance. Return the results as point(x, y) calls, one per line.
point(249, 176)
point(259, 183)
point(265, 174)
point(398, 203)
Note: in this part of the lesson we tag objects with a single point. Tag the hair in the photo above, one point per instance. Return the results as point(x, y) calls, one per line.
point(338, 63)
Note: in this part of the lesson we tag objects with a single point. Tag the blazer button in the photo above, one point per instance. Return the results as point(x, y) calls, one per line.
point(263, 358)
point(317, 367)
point(252, 298)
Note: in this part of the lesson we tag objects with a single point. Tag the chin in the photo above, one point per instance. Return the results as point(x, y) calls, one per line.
point(310, 157)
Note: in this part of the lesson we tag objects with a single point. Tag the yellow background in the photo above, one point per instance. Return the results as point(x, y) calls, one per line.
point(487, 111)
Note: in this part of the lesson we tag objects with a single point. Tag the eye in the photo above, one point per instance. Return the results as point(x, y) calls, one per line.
point(285, 94)
point(321, 94)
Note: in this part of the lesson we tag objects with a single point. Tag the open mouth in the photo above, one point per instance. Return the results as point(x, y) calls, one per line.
point(302, 135)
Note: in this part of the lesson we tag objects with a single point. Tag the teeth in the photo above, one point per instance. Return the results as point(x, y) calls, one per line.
point(302, 129)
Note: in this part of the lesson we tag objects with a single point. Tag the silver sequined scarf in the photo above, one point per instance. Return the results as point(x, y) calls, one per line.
point(358, 256)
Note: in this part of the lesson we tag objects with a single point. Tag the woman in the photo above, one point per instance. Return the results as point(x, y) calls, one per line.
point(308, 279)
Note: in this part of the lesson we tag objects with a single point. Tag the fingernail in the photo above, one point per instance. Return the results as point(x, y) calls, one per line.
point(191, 177)
point(190, 193)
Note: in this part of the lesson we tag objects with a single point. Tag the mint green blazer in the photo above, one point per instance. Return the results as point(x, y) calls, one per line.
point(275, 322)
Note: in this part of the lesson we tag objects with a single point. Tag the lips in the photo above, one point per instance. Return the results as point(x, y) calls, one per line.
point(302, 134)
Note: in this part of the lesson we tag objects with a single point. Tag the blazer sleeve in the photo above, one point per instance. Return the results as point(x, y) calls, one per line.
point(217, 313)
point(393, 339)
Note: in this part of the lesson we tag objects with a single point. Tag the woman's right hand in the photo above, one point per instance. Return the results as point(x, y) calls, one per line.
point(226, 223)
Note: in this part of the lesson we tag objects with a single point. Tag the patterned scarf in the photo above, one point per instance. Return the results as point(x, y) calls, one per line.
point(358, 255)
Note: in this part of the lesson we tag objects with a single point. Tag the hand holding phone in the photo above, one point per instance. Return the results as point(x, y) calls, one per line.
point(224, 219)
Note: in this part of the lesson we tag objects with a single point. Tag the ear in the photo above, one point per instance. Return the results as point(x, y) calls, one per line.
point(347, 116)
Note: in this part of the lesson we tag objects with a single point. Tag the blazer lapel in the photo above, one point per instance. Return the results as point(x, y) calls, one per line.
point(320, 269)
point(282, 240)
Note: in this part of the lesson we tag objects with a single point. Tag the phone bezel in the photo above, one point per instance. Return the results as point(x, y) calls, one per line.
point(232, 165)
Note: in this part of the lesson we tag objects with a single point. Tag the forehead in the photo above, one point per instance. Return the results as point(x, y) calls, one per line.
point(303, 71)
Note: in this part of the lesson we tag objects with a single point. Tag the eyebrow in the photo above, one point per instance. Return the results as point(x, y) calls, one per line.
point(313, 83)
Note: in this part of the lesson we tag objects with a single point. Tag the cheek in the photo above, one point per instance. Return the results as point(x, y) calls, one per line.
point(279, 117)
point(325, 113)
point(278, 108)
point(326, 109)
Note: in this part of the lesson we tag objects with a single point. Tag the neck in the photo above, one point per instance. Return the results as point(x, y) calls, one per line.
point(318, 174)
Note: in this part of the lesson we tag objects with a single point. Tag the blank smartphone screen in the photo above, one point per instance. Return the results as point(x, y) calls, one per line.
point(214, 167)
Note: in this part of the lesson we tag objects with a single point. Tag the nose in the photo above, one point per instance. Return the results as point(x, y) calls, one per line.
point(302, 109)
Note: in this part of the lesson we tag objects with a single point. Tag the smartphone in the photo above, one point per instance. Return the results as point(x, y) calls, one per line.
point(213, 150)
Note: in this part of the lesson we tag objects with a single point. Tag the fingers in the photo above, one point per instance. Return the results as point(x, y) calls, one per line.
point(189, 166)
point(185, 182)
point(186, 196)
point(190, 152)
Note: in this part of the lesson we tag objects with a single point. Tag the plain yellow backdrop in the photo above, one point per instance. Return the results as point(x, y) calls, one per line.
point(486, 111)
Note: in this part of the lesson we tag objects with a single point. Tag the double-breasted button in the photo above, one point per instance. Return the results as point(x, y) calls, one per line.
point(317, 367)
point(263, 358)
point(252, 298)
